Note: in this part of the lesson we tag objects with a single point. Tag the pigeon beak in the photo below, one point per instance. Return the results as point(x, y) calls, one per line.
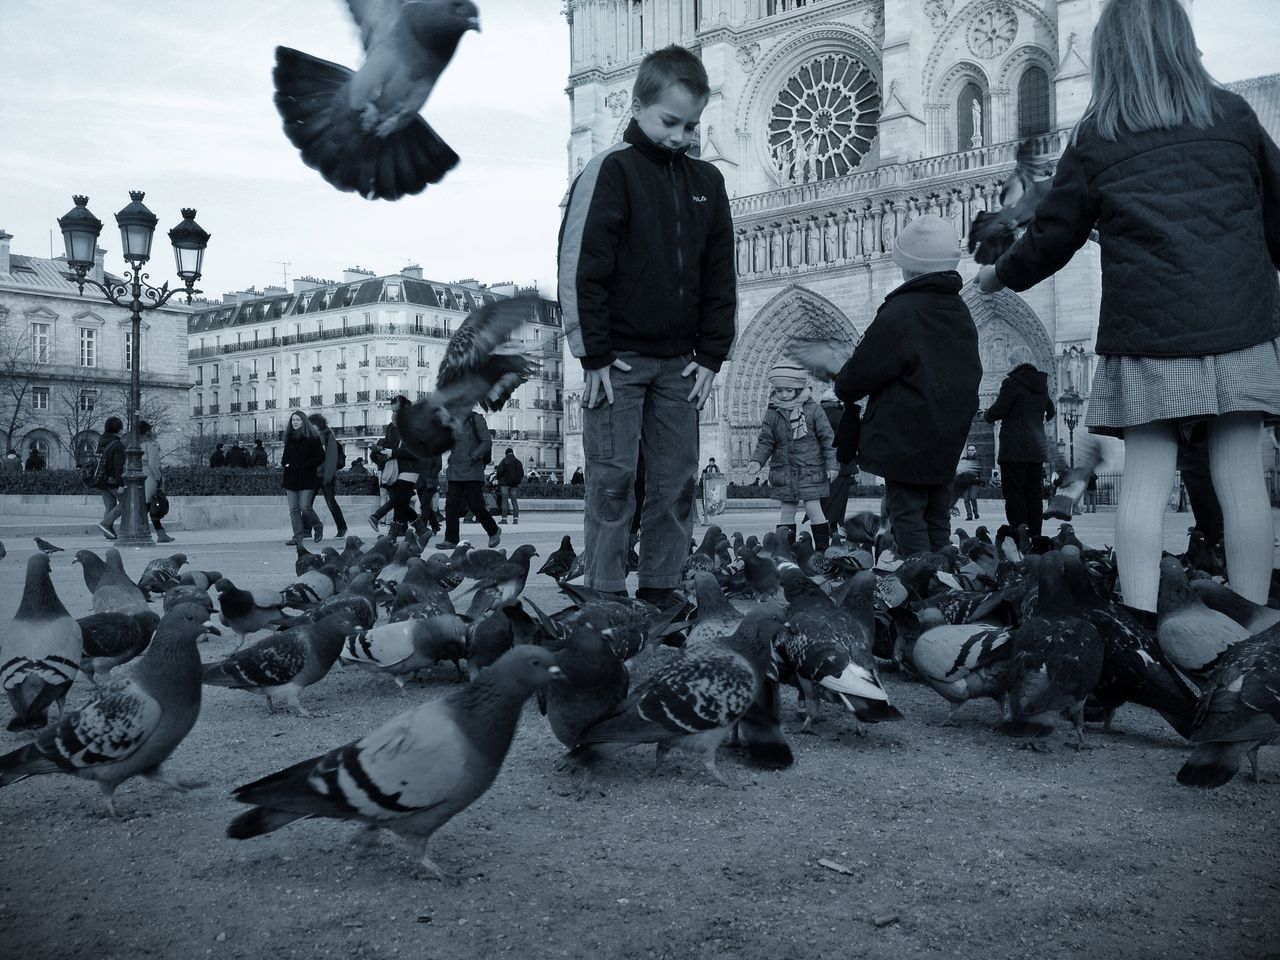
point(556, 673)
point(473, 23)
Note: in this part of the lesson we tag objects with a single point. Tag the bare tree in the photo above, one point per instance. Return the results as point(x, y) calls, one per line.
point(17, 372)
point(77, 410)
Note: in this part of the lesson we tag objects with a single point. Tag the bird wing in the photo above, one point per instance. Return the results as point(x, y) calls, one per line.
point(822, 358)
point(383, 646)
point(375, 18)
point(271, 662)
point(479, 364)
point(106, 730)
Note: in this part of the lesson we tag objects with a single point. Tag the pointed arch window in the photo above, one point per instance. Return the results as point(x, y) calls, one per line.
point(1033, 103)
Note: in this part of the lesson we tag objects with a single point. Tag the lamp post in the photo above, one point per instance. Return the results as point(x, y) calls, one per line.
point(80, 230)
point(1070, 404)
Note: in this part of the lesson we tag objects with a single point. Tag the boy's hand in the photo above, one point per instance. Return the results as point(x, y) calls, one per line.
point(703, 378)
point(596, 385)
point(987, 280)
point(833, 473)
point(753, 468)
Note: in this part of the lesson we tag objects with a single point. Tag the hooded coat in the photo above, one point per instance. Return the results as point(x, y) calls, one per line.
point(1023, 407)
point(798, 469)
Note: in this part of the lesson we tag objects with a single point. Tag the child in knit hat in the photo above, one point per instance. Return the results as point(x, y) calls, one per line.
point(918, 366)
point(797, 442)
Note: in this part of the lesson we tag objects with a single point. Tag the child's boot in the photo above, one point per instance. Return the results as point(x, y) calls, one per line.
point(821, 536)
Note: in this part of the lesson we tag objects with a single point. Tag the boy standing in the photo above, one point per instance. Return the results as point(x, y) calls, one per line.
point(648, 293)
point(918, 364)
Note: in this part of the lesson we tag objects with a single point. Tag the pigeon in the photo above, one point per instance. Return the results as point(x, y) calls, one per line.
point(1200, 555)
point(692, 702)
point(1056, 660)
point(45, 547)
point(704, 556)
point(960, 661)
point(424, 583)
point(1238, 713)
point(357, 603)
point(490, 638)
point(186, 593)
point(480, 366)
point(40, 653)
point(559, 562)
point(3, 552)
point(760, 729)
point(828, 656)
point(133, 725)
point(398, 649)
point(717, 617)
point(248, 611)
point(991, 234)
point(414, 773)
point(115, 592)
point(362, 130)
point(1133, 668)
point(391, 574)
point(762, 577)
point(508, 578)
point(110, 639)
point(1252, 616)
point(306, 560)
point(350, 551)
point(596, 680)
point(281, 666)
point(311, 587)
point(1192, 635)
point(92, 566)
point(161, 574)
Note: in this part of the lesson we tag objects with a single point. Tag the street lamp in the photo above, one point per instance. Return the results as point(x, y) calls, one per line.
point(80, 230)
point(1069, 405)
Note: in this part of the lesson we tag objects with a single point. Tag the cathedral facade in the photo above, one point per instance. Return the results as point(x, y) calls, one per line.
point(835, 122)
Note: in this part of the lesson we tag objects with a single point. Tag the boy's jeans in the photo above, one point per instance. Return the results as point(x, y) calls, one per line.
point(649, 400)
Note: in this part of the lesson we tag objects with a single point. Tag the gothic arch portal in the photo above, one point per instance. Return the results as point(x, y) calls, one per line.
point(794, 312)
point(1009, 333)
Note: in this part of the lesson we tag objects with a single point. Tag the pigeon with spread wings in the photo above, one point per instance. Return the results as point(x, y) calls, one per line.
point(362, 130)
point(480, 366)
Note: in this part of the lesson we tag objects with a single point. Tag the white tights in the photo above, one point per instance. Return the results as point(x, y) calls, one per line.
point(1235, 461)
point(813, 508)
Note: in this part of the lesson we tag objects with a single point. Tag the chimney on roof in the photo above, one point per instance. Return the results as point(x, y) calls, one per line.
point(230, 298)
point(4, 250)
point(302, 284)
point(506, 289)
point(355, 274)
point(99, 271)
point(273, 290)
point(412, 271)
point(470, 283)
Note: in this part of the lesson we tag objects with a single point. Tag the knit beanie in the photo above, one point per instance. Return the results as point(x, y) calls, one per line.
point(788, 373)
point(927, 245)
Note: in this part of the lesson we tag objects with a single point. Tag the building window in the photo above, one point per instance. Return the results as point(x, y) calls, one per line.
point(40, 335)
point(88, 347)
point(966, 134)
point(128, 350)
point(88, 400)
point(422, 356)
point(1033, 103)
point(39, 398)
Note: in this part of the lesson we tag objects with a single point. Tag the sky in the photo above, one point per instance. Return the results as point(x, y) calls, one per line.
point(174, 97)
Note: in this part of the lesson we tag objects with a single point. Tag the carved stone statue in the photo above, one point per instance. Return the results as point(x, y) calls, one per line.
point(976, 109)
point(784, 163)
point(832, 251)
point(811, 160)
point(813, 246)
point(777, 257)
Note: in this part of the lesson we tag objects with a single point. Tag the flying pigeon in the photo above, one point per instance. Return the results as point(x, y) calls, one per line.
point(480, 366)
point(133, 725)
point(362, 130)
point(416, 772)
point(991, 234)
point(40, 652)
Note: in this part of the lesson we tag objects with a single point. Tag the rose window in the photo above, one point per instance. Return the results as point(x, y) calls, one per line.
point(823, 120)
point(992, 31)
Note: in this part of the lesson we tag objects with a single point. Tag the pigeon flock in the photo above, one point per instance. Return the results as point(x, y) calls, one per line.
point(1031, 624)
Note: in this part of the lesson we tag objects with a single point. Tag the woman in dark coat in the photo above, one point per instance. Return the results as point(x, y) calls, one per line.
point(111, 475)
point(302, 460)
point(1022, 408)
point(400, 493)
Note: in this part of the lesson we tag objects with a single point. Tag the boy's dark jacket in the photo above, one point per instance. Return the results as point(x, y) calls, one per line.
point(1189, 222)
point(918, 364)
point(509, 471)
point(646, 257)
point(1022, 408)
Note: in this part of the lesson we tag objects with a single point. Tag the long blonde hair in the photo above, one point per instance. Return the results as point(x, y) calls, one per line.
point(1146, 71)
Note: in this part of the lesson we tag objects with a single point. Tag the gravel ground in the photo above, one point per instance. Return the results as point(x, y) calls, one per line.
point(914, 841)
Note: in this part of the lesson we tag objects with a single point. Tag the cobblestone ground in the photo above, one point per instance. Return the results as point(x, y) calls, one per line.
point(913, 841)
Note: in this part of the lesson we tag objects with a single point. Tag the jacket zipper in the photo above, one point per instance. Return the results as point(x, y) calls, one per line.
point(675, 196)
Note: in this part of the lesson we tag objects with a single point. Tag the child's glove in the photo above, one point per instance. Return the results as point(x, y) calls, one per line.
point(754, 468)
point(987, 280)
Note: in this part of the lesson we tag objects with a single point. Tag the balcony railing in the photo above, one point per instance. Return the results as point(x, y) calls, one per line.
point(294, 371)
point(355, 431)
point(295, 402)
point(340, 398)
point(251, 406)
point(362, 396)
point(363, 363)
point(384, 394)
point(350, 333)
point(541, 404)
point(316, 368)
point(397, 362)
point(197, 411)
point(269, 405)
point(235, 406)
point(213, 409)
point(253, 375)
point(317, 400)
point(422, 395)
point(271, 374)
point(235, 378)
point(342, 364)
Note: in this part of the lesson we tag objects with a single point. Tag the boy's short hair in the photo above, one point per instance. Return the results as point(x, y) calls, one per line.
point(673, 64)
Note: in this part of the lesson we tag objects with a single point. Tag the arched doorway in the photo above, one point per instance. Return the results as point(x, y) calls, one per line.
point(794, 312)
point(84, 446)
point(1009, 333)
point(45, 441)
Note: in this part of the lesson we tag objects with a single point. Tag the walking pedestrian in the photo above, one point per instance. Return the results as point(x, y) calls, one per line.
point(1183, 185)
point(968, 479)
point(1022, 408)
point(302, 459)
point(797, 442)
point(472, 443)
point(334, 460)
point(153, 490)
point(577, 480)
point(428, 489)
point(109, 475)
point(12, 462)
point(648, 293)
point(400, 476)
point(509, 473)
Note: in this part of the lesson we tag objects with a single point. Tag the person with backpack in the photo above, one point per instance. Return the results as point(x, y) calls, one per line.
point(472, 451)
point(108, 474)
point(509, 474)
point(335, 458)
point(157, 502)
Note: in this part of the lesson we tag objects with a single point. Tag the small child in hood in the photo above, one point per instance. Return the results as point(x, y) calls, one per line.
point(796, 440)
point(918, 366)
